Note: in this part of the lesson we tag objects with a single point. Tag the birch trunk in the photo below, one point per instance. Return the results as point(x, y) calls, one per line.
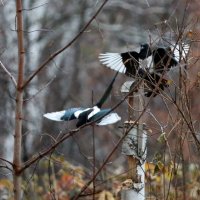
point(134, 147)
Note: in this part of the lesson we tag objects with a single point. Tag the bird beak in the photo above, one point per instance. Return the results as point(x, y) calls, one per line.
point(169, 82)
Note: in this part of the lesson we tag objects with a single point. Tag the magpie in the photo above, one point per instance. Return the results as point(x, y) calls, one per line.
point(127, 62)
point(159, 61)
point(92, 114)
point(164, 58)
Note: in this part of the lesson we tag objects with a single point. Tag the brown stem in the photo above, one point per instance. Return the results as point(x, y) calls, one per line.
point(19, 105)
point(52, 56)
point(8, 73)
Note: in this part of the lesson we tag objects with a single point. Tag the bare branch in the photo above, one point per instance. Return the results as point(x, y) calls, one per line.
point(33, 8)
point(6, 167)
point(41, 89)
point(52, 56)
point(8, 73)
point(47, 151)
point(3, 159)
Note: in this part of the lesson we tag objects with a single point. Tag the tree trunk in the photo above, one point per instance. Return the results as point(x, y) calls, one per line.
point(19, 105)
point(134, 147)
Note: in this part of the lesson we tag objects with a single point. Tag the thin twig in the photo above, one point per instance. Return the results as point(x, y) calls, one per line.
point(3, 159)
point(41, 89)
point(33, 8)
point(52, 56)
point(8, 73)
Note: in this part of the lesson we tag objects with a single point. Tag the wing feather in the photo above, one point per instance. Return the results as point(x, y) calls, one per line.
point(64, 115)
point(113, 61)
point(111, 118)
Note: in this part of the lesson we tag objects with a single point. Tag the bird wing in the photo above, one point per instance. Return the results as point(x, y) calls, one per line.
point(64, 115)
point(180, 51)
point(163, 59)
point(55, 116)
point(95, 110)
point(113, 61)
point(126, 63)
point(109, 119)
point(104, 117)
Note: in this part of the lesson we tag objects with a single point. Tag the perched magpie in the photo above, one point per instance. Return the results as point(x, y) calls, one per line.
point(128, 62)
point(84, 115)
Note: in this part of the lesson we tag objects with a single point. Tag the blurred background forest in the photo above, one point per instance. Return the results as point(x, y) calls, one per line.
point(76, 78)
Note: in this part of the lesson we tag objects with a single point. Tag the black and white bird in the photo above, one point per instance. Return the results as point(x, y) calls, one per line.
point(159, 61)
point(164, 58)
point(85, 115)
point(126, 63)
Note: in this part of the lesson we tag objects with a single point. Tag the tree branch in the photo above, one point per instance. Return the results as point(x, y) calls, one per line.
point(4, 160)
point(8, 73)
point(52, 56)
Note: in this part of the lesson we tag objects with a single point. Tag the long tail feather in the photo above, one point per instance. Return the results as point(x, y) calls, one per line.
point(106, 93)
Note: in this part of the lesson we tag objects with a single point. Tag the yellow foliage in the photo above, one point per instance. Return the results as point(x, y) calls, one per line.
point(106, 195)
point(6, 183)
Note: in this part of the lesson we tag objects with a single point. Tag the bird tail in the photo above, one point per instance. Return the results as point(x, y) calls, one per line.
point(55, 116)
point(107, 92)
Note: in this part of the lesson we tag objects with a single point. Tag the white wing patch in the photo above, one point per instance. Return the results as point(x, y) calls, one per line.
point(78, 112)
point(113, 61)
point(181, 51)
point(55, 116)
point(109, 119)
point(147, 63)
point(94, 112)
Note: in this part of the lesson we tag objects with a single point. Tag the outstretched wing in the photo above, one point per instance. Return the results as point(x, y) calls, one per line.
point(163, 59)
point(104, 117)
point(109, 119)
point(64, 115)
point(126, 63)
point(113, 61)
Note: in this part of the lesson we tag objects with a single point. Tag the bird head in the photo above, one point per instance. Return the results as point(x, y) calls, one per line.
point(145, 51)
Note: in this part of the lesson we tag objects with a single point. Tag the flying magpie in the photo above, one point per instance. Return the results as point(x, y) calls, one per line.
point(126, 63)
point(164, 58)
point(159, 61)
point(92, 114)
